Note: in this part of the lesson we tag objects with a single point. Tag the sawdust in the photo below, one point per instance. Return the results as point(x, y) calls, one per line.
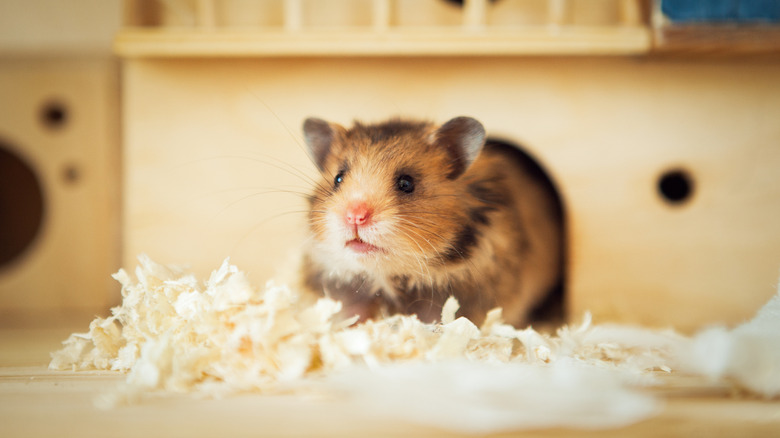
point(176, 333)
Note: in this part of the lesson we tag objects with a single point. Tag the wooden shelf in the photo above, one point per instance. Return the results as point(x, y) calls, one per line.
point(545, 40)
point(380, 28)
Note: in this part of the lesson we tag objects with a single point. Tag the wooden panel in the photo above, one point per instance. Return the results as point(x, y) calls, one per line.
point(74, 153)
point(213, 157)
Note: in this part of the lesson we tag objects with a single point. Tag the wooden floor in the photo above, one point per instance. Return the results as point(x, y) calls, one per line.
point(37, 402)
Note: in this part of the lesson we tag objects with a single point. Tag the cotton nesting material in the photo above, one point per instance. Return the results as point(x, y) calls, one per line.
point(749, 354)
point(173, 332)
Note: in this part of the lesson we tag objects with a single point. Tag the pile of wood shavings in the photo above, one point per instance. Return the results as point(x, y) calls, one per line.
point(173, 332)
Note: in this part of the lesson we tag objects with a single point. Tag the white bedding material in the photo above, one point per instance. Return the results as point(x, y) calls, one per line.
point(173, 332)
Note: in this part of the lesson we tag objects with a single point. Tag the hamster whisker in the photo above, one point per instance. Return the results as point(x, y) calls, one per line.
point(265, 159)
point(471, 268)
point(293, 134)
point(413, 214)
point(424, 268)
point(244, 198)
point(413, 229)
point(262, 222)
point(295, 190)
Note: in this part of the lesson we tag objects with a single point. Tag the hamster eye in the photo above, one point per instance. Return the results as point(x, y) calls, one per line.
point(405, 183)
point(338, 179)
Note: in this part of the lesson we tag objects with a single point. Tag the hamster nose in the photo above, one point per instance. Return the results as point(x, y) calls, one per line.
point(358, 214)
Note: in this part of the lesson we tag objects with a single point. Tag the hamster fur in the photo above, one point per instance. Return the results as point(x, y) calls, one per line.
point(408, 213)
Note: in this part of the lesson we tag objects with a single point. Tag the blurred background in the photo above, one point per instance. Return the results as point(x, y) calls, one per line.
point(171, 128)
point(59, 159)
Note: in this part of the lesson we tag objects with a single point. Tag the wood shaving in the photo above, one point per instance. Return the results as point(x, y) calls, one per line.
point(176, 333)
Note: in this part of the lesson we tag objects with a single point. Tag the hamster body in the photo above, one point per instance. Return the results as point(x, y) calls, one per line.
point(408, 213)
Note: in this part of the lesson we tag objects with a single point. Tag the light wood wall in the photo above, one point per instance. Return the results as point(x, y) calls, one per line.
point(213, 164)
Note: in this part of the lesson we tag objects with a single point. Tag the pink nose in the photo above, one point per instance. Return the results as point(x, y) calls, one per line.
point(358, 214)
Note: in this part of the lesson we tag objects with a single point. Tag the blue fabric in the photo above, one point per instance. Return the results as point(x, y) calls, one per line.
point(713, 11)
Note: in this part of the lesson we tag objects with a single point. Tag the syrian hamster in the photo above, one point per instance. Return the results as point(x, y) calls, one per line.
point(408, 213)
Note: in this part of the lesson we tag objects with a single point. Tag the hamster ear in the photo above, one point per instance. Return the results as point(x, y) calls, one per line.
point(463, 138)
point(318, 135)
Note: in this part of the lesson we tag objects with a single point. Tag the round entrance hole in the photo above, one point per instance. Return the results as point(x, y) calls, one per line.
point(551, 309)
point(21, 206)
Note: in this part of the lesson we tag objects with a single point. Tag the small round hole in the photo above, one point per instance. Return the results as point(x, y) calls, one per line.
point(54, 115)
point(675, 186)
point(71, 174)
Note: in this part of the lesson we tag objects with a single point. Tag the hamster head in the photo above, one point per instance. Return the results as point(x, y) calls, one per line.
point(390, 198)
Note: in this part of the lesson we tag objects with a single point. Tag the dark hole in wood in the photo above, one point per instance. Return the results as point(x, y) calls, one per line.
point(675, 186)
point(21, 206)
point(54, 114)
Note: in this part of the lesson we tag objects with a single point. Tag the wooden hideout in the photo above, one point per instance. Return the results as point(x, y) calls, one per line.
point(667, 165)
point(662, 138)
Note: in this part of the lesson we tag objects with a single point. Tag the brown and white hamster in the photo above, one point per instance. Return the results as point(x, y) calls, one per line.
point(408, 213)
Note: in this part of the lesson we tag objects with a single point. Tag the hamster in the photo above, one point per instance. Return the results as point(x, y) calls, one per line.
point(408, 213)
